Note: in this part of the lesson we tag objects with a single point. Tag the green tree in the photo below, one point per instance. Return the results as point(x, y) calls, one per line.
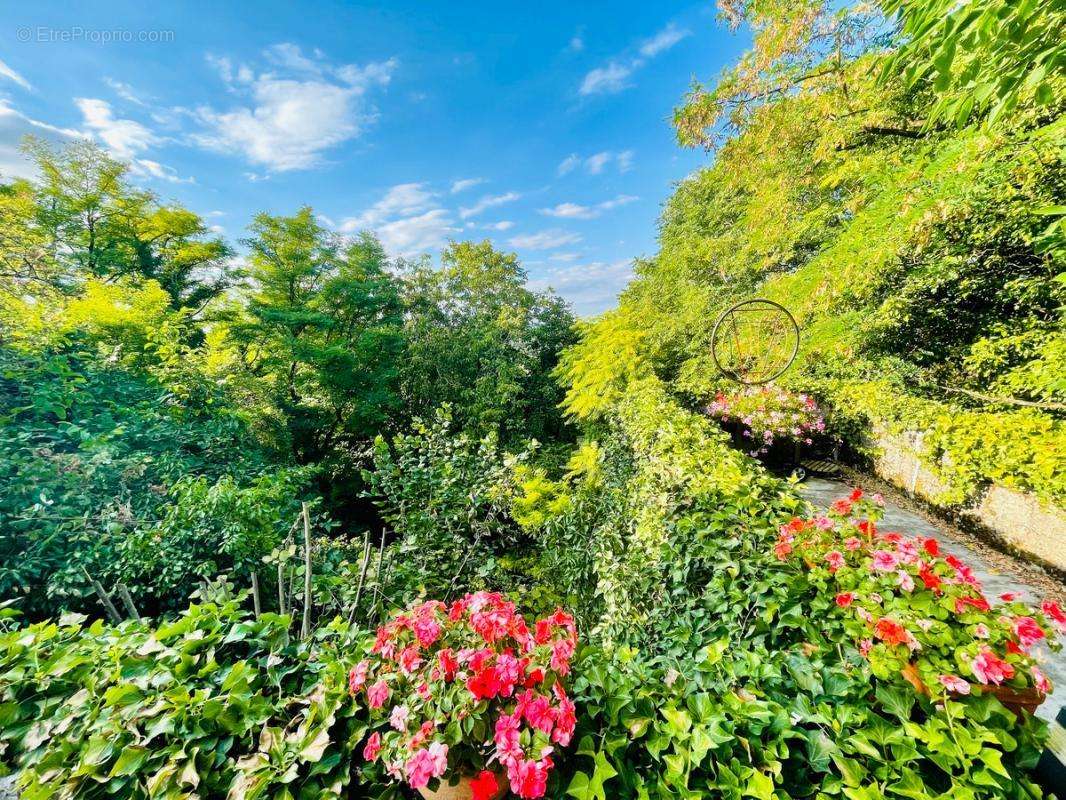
point(322, 331)
point(479, 339)
point(94, 223)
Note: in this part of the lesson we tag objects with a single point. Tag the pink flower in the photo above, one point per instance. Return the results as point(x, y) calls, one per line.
point(426, 764)
point(565, 717)
point(529, 779)
point(537, 710)
point(905, 581)
point(824, 523)
point(852, 543)
point(508, 747)
point(835, 559)
point(377, 694)
point(409, 659)
point(884, 561)
point(562, 652)
point(1028, 631)
point(427, 630)
point(357, 677)
point(373, 747)
point(782, 550)
point(990, 668)
point(865, 646)
point(1040, 680)
point(953, 683)
point(398, 717)
point(980, 630)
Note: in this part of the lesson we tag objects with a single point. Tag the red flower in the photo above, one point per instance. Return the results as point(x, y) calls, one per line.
point(977, 602)
point(782, 549)
point(542, 631)
point(845, 599)
point(855, 496)
point(484, 786)
point(868, 528)
point(449, 665)
point(841, 507)
point(1051, 610)
point(1028, 631)
point(484, 684)
point(932, 547)
point(930, 578)
point(890, 632)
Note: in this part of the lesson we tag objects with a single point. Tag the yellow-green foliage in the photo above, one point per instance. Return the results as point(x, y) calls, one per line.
point(598, 368)
point(967, 449)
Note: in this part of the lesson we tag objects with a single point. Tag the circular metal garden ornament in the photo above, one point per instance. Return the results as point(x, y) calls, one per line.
point(755, 341)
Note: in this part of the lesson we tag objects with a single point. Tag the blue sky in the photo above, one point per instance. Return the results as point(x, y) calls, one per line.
point(544, 127)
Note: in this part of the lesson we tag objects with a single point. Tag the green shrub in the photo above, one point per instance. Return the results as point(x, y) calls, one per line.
point(213, 702)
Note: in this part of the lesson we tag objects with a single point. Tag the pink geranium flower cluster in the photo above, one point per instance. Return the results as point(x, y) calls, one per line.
point(470, 688)
point(916, 611)
point(768, 413)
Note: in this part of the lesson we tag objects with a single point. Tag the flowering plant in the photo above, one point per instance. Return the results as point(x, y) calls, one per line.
point(768, 413)
point(914, 611)
point(469, 688)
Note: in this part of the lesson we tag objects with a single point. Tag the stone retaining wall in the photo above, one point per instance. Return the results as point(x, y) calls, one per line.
point(1018, 519)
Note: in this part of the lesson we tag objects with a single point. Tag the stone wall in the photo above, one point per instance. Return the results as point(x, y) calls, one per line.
point(1020, 520)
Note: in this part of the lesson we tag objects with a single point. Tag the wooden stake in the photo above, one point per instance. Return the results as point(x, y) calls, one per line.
point(127, 601)
point(362, 576)
point(305, 629)
point(255, 594)
point(109, 607)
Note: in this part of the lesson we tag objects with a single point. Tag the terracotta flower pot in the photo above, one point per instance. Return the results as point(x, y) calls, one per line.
point(1020, 701)
point(461, 790)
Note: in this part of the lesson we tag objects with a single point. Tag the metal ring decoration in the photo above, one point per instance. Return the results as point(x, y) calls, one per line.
point(761, 364)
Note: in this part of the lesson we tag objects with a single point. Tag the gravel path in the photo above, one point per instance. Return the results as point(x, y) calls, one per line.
point(998, 572)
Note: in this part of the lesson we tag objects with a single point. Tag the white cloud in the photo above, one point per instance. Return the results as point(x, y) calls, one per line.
point(125, 139)
point(544, 240)
point(502, 225)
point(10, 74)
point(565, 257)
point(614, 76)
point(407, 219)
point(465, 183)
point(591, 288)
point(486, 202)
point(13, 127)
point(416, 235)
point(624, 160)
point(609, 79)
point(577, 43)
point(577, 211)
point(595, 163)
point(290, 120)
point(404, 199)
point(663, 41)
point(568, 164)
point(125, 91)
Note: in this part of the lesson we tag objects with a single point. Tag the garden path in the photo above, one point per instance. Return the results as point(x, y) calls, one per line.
point(995, 578)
